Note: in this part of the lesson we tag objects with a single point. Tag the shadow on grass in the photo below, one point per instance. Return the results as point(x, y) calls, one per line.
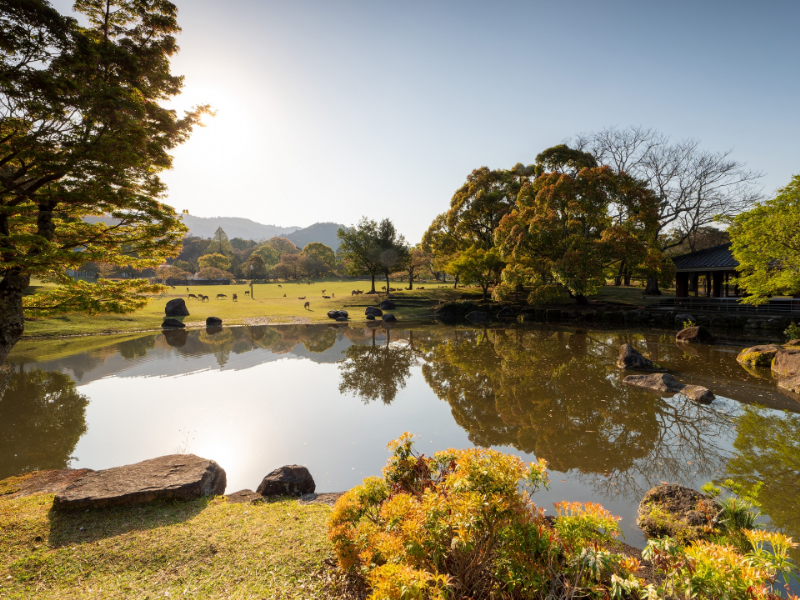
point(70, 527)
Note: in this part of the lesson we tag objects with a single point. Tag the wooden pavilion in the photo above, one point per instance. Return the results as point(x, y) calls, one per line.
point(709, 273)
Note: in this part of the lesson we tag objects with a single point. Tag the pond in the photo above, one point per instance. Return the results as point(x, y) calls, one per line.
point(256, 398)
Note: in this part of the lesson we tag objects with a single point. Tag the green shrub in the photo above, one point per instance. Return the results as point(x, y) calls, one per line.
point(792, 332)
point(548, 294)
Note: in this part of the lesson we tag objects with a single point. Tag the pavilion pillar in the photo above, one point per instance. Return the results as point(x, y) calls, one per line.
point(682, 285)
point(717, 280)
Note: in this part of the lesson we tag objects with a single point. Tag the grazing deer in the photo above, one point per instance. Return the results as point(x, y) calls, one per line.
point(203, 298)
point(323, 292)
point(279, 285)
point(302, 298)
point(221, 296)
point(420, 288)
point(307, 305)
point(192, 296)
point(235, 298)
point(247, 293)
point(327, 297)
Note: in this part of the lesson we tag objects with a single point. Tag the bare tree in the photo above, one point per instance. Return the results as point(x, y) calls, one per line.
point(694, 185)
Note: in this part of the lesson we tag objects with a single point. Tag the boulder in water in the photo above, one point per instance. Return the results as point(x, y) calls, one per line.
point(176, 308)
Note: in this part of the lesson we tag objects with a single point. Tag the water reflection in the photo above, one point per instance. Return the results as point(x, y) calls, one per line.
point(375, 372)
point(42, 417)
point(543, 392)
point(557, 395)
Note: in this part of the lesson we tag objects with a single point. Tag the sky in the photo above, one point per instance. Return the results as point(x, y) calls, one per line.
point(334, 110)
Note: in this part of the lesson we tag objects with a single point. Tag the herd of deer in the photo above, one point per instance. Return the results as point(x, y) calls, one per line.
point(203, 298)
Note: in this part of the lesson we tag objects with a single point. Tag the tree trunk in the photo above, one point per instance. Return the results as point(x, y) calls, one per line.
point(628, 278)
point(373, 282)
point(387, 283)
point(618, 276)
point(652, 287)
point(581, 299)
point(411, 280)
point(12, 322)
point(485, 289)
point(455, 285)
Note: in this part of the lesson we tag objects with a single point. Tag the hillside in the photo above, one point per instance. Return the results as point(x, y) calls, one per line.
point(235, 227)
point(318, 232)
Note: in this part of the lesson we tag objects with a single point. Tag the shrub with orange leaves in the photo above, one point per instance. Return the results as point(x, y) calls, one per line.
point(460, 523)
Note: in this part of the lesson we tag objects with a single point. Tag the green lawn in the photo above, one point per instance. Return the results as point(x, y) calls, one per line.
point(205, 548)
point(270, 303)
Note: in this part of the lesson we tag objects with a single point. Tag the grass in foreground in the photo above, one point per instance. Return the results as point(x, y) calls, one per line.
point(206, 548)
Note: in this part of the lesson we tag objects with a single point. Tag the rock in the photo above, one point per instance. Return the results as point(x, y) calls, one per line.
point(787, 362)
point(629, 358)
point(370, 317)
point(173, 477)
point(291, 480)
point(374, 311)
point(389, 318)
point(679, 512)
point(758, 356)
point(477, 316)
point(244, 497)
point(176, 308)
point(790, 384)
point(341, 319)
point(667, 384)
point(329, 499)
point(387, 305)
point(335, 314)
point(695, 335)
point(172, 323)
point(176, 337)
point(682, 318)
point(792, 344)
point(506, 313)
point(213, 322)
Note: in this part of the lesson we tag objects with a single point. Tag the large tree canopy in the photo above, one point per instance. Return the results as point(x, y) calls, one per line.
point(563, 229)
point(83, 132)
point(766, 242)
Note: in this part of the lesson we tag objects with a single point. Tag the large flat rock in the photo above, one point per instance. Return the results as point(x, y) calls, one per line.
point(665, 383)
point(177, 476)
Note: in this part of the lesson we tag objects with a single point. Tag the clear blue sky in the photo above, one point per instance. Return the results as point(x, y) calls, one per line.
point(330, 110)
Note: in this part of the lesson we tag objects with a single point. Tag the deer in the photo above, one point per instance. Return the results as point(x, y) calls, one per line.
point(307, 305)
point(235, 298)
point(323, 292)
point(327, 297)
point(247, 293)
point(203, 298)
point(221, 296)
point(279, 285)
point(302, 298)
point(284, 295)
point(192, 296)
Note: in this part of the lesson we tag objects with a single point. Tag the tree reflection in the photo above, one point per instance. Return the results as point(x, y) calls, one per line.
point(767, 448)
point(373, 372)
point(558, 395)
point(42, 417)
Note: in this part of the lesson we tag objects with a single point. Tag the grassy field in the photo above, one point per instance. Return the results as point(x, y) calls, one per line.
point(270, 303)
point(206, 548)
point(273, 303)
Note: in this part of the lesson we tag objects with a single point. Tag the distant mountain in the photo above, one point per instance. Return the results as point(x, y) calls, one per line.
point(318, 232)
point(247, 229)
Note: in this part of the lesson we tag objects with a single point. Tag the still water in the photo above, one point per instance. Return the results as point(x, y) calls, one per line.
point(256, 398)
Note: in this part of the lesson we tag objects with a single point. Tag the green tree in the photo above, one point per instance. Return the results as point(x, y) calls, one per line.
point(255, 268)
point(359, 251)
point(477, 265)
point(282, 246)
point(213, 273)
point(418, 259)
point(392, 250)
point(220, 243)
point(218, 261)
point(375, 373)
point(766, 242)
point(562, 230)
point(268, 254)
point(320, 259)
point(84, 132)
